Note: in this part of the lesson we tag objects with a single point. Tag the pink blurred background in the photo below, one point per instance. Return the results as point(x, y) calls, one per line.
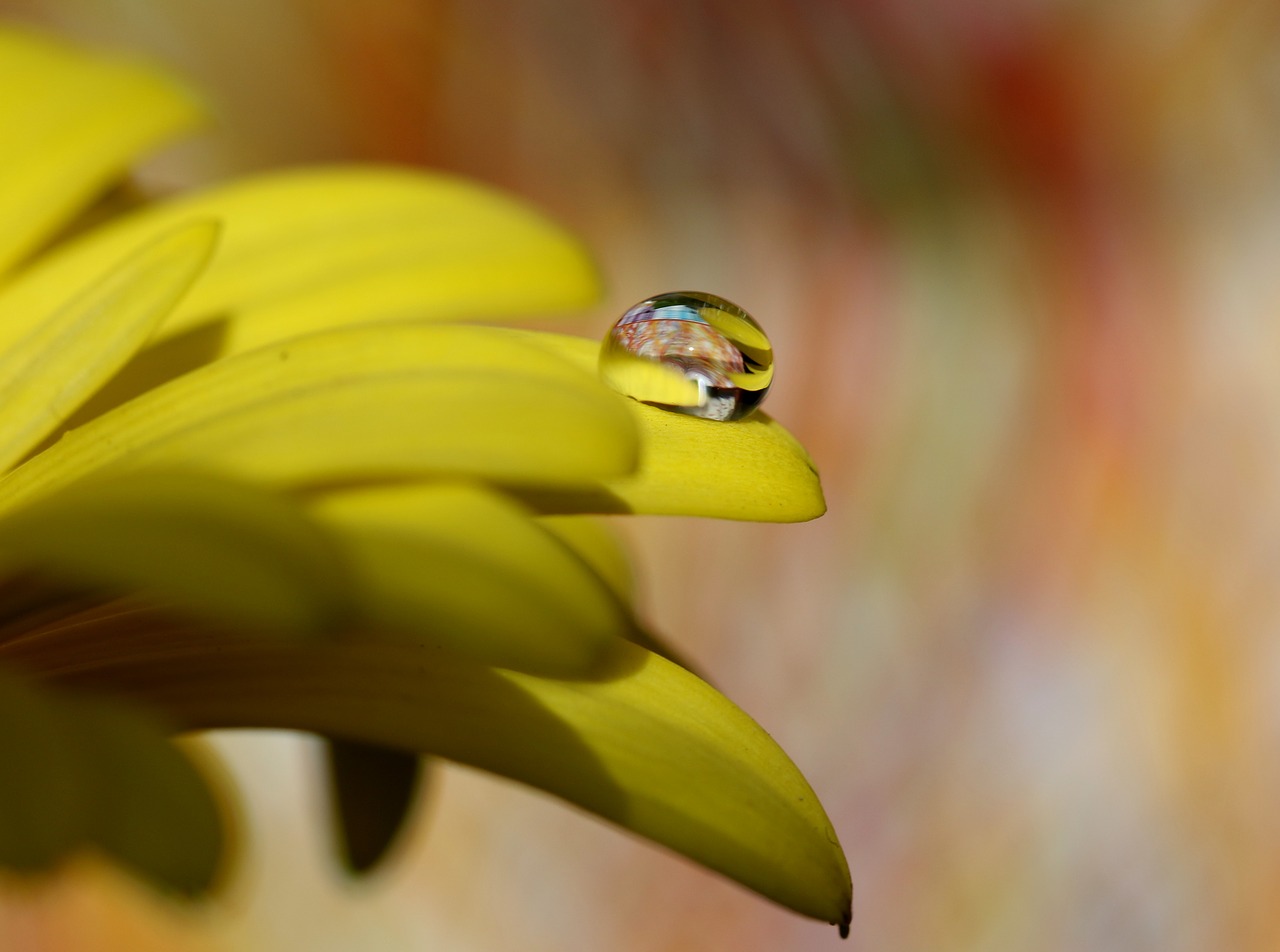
point(1018, 262)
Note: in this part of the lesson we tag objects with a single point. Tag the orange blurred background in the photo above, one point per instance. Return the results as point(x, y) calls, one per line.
point(1018, 262)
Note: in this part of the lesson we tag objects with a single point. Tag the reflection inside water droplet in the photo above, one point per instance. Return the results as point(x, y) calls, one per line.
point(690, 352)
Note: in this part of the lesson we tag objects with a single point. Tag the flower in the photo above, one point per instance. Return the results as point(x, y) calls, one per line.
point(252, 478)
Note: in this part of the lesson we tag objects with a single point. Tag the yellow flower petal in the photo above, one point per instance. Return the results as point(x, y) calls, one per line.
point(647, 745)
point(306, 250)
point(599, 546)
point(69, 125)
point(148, 807)
point(463, 568)
point(41, 801)
point(85, 772)
point(223, 551)
point(63, 359)
point(750, 469)
point(362, 403)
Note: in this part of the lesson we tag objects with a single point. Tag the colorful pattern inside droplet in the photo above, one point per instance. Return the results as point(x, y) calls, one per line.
point(690, 352)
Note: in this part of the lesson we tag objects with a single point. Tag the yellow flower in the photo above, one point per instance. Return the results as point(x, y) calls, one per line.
point(251, 478)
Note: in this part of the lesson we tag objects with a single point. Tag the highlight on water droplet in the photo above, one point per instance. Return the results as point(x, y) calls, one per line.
point(690, 352)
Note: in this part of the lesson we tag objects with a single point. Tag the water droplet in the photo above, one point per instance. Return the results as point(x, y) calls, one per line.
point(690, 352)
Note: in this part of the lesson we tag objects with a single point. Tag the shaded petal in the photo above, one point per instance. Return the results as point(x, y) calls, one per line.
point(64, 358)
point(42, 815)
point(750, 469)
point(449, 566)
point(649, 747)
point(373, 789)
point(309, 249)
point(466, 569)
point(373, 402)
point(148, 806)
point(600, 547)
point(597, 544)
point(91, 772)
point(222, 551)
point(70, 125)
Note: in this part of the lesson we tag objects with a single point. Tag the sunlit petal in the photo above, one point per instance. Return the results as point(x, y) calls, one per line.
point(61, 361)
point(69, 125)
point(370, 402)
point(310, 249)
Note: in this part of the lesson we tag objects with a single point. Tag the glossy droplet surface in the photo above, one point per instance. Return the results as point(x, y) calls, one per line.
point(690, 352)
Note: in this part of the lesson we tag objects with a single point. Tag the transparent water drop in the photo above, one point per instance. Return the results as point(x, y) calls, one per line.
point(690, 352)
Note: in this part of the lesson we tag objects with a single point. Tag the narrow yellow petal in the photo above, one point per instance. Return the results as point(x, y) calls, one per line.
point(647, 745)
point(463, 568)
point(222, 551)
point(72, 351)
point(70, 123)
point(363, 403)
point(751, 469)
point(306, 250)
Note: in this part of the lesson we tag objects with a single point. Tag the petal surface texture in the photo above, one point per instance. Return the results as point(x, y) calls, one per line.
point(364, 403)
point(63, 359)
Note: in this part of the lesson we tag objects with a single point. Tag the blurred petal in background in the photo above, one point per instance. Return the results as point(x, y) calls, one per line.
point(1017, 259)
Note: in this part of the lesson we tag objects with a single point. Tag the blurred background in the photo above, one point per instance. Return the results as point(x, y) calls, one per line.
point(1019, 262)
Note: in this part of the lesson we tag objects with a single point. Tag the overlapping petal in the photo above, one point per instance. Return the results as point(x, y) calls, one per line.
point(298, 449)
point(70, 124)
point(87, 772)
point(644, 744)
point(597, 544)
point(41, 807)
point(61, 361)
point(364, 403)
point(311, 249)
point(463, 568)
point(214, 549)
point(448, 566)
